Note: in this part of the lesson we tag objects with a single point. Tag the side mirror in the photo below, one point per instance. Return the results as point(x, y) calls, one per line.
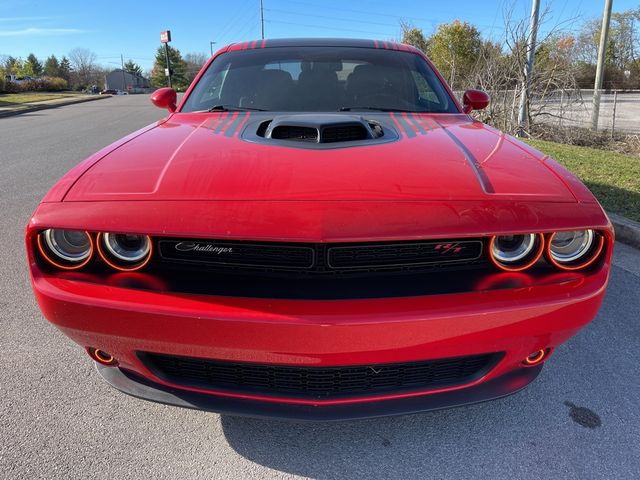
point(165, 98)
point(475, 100)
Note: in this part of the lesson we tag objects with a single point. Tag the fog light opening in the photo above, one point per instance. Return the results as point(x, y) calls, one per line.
point(536, 357)
point(102, 357)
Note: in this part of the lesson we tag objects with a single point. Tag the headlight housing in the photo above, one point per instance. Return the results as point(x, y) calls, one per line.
point(575, 249)
point(66, 249)
point(515, 253)
point(126, 252)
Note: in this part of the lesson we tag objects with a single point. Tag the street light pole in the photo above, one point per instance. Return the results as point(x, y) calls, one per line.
point(528, 68)
point(262, 18)
point(602, 55)
point(124, 82)
point(211, 46)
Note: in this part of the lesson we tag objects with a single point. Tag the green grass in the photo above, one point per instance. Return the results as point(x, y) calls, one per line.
point(612, 177)
point(14, 99)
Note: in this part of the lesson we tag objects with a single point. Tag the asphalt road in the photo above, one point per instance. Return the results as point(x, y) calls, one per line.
point(579, 420)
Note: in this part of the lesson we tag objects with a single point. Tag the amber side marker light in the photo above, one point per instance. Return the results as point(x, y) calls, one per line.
point(515, 253)
point(536, 357)
point(102, 357)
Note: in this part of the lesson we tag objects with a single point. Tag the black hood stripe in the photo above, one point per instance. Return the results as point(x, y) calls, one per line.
point(483, 179)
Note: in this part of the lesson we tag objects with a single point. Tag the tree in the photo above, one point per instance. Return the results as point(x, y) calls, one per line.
point(178, 69)
point(52, 67)
point(132, 67)
point(454, 49)
point(83, 63)
point(413, 36)
point(194, 62)
point(12, 66)
point(65, 69)
point(32, 67)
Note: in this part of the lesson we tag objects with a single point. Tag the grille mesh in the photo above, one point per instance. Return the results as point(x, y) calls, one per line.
point(318, 382)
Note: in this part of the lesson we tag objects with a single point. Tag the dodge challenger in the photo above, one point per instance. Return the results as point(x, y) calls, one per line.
point(319, 230)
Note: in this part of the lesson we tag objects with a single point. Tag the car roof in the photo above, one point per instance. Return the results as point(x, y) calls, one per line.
point(321, 42)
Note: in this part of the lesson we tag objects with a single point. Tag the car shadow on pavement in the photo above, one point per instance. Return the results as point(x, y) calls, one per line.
point(539, 429)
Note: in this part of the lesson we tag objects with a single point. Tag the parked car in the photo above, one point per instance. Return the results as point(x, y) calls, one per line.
point(109, 91)
point(319, 230)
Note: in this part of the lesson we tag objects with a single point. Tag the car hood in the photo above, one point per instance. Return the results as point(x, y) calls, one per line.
point(207, 157)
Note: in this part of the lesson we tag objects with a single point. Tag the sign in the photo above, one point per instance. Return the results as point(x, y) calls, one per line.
point(165, 37)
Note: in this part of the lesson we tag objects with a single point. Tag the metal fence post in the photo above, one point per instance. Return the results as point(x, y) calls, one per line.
point(615, 107)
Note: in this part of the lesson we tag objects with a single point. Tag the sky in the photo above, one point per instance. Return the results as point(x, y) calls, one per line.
point(132, 28)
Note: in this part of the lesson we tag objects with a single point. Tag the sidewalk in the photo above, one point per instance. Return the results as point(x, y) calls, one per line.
point(59, 102)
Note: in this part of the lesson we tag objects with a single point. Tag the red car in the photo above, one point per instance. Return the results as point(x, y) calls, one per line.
point(319, 231)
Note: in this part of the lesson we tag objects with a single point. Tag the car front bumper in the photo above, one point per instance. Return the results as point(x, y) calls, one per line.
point(514, 321)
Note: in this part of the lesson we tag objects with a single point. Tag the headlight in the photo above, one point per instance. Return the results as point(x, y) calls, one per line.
point(574, 249)
point(66, 249)
point(516, 252)
point(124, 251)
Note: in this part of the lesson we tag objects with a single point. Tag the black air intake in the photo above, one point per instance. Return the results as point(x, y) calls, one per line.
point(320, 128)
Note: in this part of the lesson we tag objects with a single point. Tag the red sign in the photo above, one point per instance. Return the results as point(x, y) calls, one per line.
point(165, 37)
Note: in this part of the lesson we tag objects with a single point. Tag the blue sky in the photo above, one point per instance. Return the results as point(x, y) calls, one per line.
point(132, 27)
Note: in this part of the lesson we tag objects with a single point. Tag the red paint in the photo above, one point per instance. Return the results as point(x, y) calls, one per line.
point(475, 100)
point(193, 175)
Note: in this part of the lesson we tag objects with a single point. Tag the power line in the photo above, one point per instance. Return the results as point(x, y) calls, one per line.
point(342, 19)
point(325, 27)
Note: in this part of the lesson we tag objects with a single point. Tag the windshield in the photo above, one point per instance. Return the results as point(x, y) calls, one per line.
point(320, 79)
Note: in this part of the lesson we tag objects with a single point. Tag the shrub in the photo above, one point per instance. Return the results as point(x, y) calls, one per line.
point(44, 84)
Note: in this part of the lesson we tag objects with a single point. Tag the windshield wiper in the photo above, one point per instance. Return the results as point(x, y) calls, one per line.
point(380, 109)
point(233, 108)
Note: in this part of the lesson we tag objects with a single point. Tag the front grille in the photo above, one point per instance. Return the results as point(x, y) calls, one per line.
point(318, 382)
point(238, 254)
point(321, 258)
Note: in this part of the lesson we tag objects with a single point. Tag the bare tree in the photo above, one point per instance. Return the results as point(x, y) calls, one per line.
point(83, 62)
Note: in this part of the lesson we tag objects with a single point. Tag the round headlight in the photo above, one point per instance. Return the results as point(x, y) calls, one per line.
point(515, 252)
point(574, 249)
point(125, 251)
point(69, 249)
point(567, 247)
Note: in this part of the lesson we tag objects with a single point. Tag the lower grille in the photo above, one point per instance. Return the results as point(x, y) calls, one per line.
point(318, 382)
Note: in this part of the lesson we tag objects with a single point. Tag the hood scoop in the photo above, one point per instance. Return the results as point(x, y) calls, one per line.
point(320, 129)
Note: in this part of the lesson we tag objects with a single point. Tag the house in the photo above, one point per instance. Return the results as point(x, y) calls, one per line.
point(127, 82)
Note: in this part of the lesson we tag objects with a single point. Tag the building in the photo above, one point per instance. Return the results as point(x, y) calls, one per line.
point(127, 82)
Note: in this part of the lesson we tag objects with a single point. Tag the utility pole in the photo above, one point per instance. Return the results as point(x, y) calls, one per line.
point(602, 56)
point(528, 68)
point(124, 82)
point(165, 37)
point(262, 18)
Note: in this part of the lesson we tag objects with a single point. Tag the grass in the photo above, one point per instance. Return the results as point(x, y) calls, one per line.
point(613, 178)
point(14, 99)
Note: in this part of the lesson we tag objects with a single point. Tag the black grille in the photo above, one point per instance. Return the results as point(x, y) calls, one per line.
point(405, 254)
point(318, 382)
point(299, 134)
point(344, 133)
point(235, 254)
point(321, 258)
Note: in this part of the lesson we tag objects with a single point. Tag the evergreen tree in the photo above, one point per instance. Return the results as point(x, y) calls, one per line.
point(65, 69)
point(32, 66)
point(132, 67)
point(178, 69)
point(52, 67)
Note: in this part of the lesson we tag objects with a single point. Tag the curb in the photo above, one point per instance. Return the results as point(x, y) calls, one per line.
point(627, 231)
point(44, 106)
